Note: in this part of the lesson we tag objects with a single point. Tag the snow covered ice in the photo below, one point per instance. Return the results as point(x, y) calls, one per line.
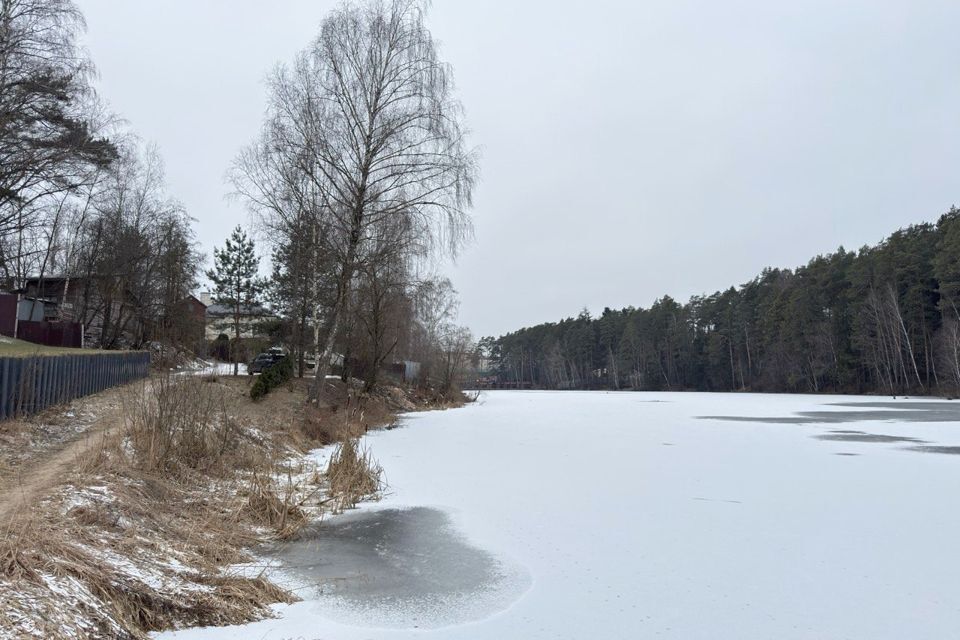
point(646, 515)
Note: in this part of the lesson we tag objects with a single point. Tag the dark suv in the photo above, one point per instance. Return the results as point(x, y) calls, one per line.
point(264, 361)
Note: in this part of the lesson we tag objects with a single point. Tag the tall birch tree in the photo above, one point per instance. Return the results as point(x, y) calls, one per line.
point(365, 134)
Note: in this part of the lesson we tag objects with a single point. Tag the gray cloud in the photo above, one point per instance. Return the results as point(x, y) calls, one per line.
point(630, 149)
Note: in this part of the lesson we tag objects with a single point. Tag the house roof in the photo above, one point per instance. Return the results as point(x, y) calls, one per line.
point(245, 310)
point(55, 278)
point(191, 297)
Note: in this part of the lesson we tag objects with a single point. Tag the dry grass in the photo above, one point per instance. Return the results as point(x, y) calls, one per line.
point(324, 426)
point(180, 423)
point(131, 605)
point(277, 506)
point(173, 484)
point(146, 522)
point(353, 475)
point(347, 413)
point(17, 559)
point(11, 347)
point(176, 494)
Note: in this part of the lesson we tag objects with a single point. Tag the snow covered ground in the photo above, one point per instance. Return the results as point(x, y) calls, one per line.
point(628, 515)
point(217, 369)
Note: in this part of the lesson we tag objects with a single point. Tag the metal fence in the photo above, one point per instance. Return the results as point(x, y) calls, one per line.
point(31, 384)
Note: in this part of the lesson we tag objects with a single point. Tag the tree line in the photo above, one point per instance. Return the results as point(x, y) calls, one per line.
point(82, 200)
point(884, 319)
point(360, 179)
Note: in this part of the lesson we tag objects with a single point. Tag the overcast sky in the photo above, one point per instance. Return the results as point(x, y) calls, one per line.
point(630, 149)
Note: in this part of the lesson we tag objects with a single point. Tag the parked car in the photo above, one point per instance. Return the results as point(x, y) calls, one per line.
point(265, 360)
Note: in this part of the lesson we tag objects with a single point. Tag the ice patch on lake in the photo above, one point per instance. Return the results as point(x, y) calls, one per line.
point(399, 568)
point(905, 411)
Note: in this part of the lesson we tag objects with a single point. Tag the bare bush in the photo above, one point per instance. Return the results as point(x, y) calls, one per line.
point(181, 423)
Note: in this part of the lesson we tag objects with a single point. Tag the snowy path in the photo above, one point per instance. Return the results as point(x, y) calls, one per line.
point(631, 516)
point(48, 469)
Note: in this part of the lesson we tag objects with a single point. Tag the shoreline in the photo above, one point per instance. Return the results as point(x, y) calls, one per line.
point(134, 538)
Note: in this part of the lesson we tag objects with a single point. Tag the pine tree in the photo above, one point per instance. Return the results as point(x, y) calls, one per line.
point(236, 282)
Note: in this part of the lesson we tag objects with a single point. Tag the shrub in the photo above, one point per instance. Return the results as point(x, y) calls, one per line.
point(220, 348)
point(272, 378)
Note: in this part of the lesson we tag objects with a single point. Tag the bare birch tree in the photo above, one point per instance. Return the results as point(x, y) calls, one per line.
point(364, 131)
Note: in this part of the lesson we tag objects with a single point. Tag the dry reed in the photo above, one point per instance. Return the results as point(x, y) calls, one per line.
point(353, 475)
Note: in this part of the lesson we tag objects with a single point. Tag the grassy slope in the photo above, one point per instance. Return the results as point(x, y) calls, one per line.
point(138, 538)
point(13, 348)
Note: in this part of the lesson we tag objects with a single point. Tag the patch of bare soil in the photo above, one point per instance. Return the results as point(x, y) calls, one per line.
point(135, 510)
point(36, 451)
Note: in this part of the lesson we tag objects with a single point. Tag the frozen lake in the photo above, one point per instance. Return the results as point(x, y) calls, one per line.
point(639, 515)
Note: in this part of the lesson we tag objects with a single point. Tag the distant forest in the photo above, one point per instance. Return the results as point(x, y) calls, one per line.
point(883, 319)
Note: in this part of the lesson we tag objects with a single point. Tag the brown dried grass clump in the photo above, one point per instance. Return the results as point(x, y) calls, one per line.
point(18, 561)
point(44, 546)
point(276, 507)
point(37, 549)
point(181, 424)
point(325, 426)
point(346, 413)
point(140, 607)
point(176, 468)
point(184, 480)
point(353, 475)
point(96, 515)
point(241, 599)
